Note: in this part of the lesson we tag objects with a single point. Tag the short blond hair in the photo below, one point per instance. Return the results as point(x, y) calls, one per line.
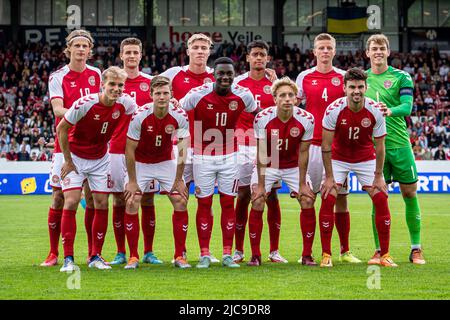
point(379, 39)
point(285, 81)
point(130, 41)
point(78, 33)
point(113, 72)
point(325, 36)
point(199, 36)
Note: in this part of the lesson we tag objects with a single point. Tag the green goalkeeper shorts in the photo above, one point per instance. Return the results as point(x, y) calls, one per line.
point(399, 165)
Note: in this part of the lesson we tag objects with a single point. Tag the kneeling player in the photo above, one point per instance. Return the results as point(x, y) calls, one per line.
point(284, 133)
point(348, 127)
point(94, 118)
point(150, 158)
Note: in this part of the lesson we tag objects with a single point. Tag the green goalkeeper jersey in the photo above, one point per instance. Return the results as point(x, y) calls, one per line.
point(395, 88)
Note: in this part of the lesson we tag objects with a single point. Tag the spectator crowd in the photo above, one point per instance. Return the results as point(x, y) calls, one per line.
point(27, 121)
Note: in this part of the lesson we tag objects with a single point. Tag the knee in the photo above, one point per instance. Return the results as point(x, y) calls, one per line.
point(244, 195)
point(147, 200)
point(306, 202)
point(58, 200)
point(179, 203)
point(341, 203)
point(410, 193)
point(71, 203)
point(258, 204)
point(118, 200)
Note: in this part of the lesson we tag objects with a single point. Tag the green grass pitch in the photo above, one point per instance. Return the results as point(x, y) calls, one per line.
point(24, 244)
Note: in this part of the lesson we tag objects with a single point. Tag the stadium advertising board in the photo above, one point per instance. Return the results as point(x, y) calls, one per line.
point(33, 178)
point(234, 35)
point(55, 35)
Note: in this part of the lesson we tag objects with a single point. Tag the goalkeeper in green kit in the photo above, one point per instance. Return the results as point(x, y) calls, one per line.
point(393, 88)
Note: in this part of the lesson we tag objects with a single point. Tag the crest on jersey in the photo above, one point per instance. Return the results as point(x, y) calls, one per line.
point(387, 84)
point(91, 80)
point(143, 86)
point(55, 178)
point(267, 89)
point(207, 80)
point(169, 129)
point(233, 105)
point(336, 81)
point(295, 132)
point(366, 122)
point(116, 114)
point(275, 132)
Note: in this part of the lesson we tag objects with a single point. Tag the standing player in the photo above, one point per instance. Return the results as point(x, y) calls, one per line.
point(150, 157)
point(258, 82)
point(137, 86)
point(320, 86)
point(68, 84)
point(349, 125)
point(284, 135)
point(94, 119)
point(217, 107)
point(394, 89)
point(186, 78)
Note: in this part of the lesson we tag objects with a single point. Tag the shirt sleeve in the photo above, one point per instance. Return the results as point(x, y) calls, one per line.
point(130, 105)
point(299, 83)
point(55, 88)
point(379, 130)
point(190, 100)
point(134, 129)
point(183, 126)
point(249, 101)
point(259, 128)
point(309, 130)
point(77, 111)
point(330, 117)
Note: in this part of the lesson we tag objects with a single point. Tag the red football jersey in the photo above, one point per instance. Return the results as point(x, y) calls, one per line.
point(264, 99)
point(283, 138)
point(183, 80)
point(139, 89)
point(216, 117)
point(70, 85)
point(354, 131)
point(319, 90)
point(155, 135)
point(94, 124)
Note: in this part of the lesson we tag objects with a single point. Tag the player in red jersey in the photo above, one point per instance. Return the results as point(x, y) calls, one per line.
point(68, 84)
point(349, 126)
point(284, 135)
point(320, 86)
point(93, 120)
point(217, 107)
point(258, 82)
point(150, 158)
point(137, 86)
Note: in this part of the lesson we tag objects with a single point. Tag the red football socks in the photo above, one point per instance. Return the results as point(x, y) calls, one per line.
point(68, 231)
point(274, 223)
point(255, 226)
point(132, 233)
point(148, 227)
point(227, 221)
point(54, 229)
point(342, 222)
point(382, 221)
point(88, 221)
point(99, 228)
point(180, 222)
point(241, 221)
point(326, 222)
point(119, 228)
point(204, 227)
point(308, 227)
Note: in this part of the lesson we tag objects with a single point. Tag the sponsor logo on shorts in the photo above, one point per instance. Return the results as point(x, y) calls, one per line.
point(91, 80)
point(267, 89)
point(55, 178)
point(295, 132)
point(387, 84)
point(366, 122)
point(169, 129)
point(336, 81)
point(233, 105)
point(66, 181)
point(116, 114)
point(143, 86)
point(207, 80)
